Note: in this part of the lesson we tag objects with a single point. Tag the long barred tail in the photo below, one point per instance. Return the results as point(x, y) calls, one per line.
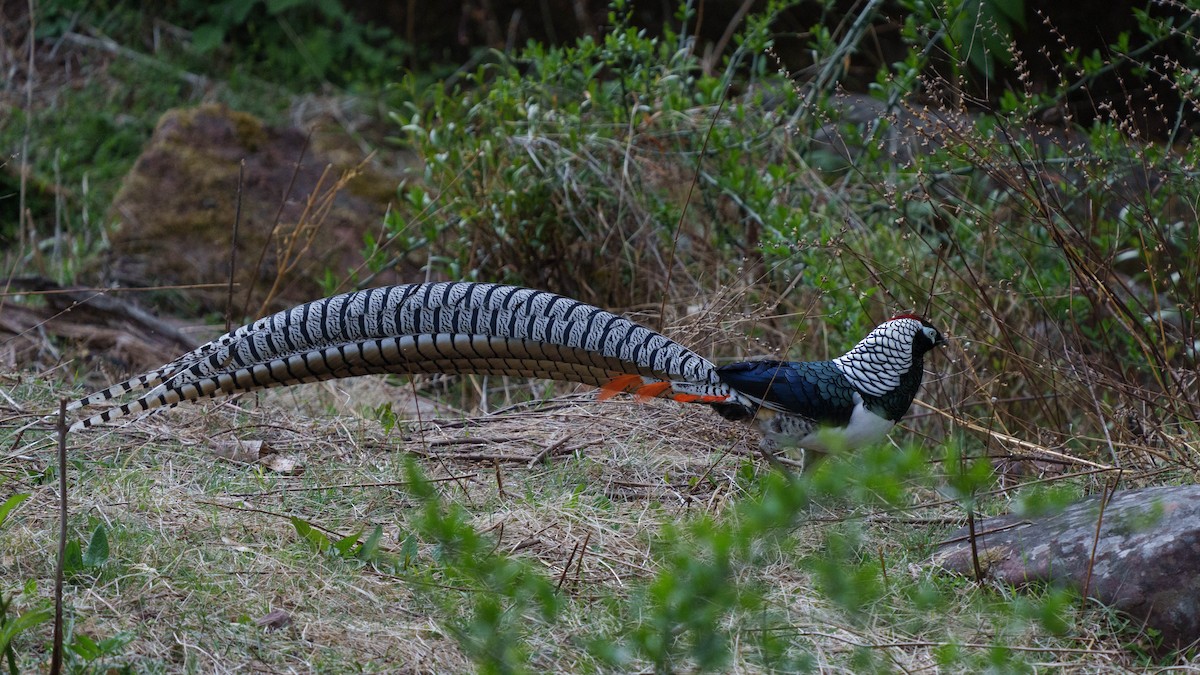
point(449, 327)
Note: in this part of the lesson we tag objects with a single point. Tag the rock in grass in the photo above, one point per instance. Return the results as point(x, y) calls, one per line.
point(1146, 564)
point(177, 205)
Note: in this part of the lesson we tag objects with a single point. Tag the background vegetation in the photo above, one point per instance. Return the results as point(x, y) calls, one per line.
point(915, 156)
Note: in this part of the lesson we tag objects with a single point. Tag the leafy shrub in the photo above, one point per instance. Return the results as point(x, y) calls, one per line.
point(305, 42)
point(570, 167)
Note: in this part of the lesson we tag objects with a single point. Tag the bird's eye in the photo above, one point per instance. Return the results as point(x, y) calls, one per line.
point(930, 333)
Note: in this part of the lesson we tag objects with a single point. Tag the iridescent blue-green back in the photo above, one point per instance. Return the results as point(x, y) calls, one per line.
point(816, 390)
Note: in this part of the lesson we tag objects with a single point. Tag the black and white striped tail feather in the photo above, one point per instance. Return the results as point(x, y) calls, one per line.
point(120, 389)
point(449, 327)
point(158, 375)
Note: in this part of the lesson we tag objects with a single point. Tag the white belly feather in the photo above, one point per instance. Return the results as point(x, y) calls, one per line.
point(865, 427)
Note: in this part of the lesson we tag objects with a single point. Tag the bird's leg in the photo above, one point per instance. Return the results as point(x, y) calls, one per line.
point(770, 452)
point(812, 458)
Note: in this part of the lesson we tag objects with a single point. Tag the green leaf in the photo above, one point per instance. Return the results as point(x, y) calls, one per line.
point(370, 547)
point(387, 417)
point(1055, 611)
point(1012, 10)
point(1037, 500)
point(310, 534)
point(409, 550)
point(24, 622)
point(10, 504)
point(72, 557)
point(275, 7)
point(332, 9)
point(85, 647)
point(208, 37)
point(97, 551)
point(235, 13)
point(115, 643)
point(346, 544)
point(90, 650)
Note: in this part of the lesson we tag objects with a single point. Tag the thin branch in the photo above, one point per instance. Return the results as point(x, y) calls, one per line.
point(233, 244)
point(56, 657)
point(1110, 487)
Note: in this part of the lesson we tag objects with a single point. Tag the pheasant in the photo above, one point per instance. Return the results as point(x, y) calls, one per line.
point(493, 329)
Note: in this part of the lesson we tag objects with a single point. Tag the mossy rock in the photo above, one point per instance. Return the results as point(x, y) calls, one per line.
point(177, 206)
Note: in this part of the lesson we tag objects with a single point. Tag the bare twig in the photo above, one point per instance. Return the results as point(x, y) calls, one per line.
point(549, 450)
point(992, 530)
point(344, 486)
point(567, 567)
point(662, 309)
point(26, 284)
point(233, 244)
point(1109, 488)
point(283, 199)
point(110, 46)
point(967, 424)
point(582, 552)
point(927, 644)
point(56, 657)
point(973, 538)
point(23, 220)
point(499, 478)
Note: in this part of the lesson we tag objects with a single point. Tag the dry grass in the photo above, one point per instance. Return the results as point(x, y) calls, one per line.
point(201, 547)
point(199, 543)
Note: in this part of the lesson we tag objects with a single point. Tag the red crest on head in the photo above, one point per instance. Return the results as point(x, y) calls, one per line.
point(907, 316)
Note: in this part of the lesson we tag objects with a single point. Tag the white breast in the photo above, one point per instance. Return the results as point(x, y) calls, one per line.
point(865, 427)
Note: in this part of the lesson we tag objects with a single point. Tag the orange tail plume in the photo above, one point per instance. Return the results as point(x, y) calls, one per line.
point(642, 390)
point(619, 384)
